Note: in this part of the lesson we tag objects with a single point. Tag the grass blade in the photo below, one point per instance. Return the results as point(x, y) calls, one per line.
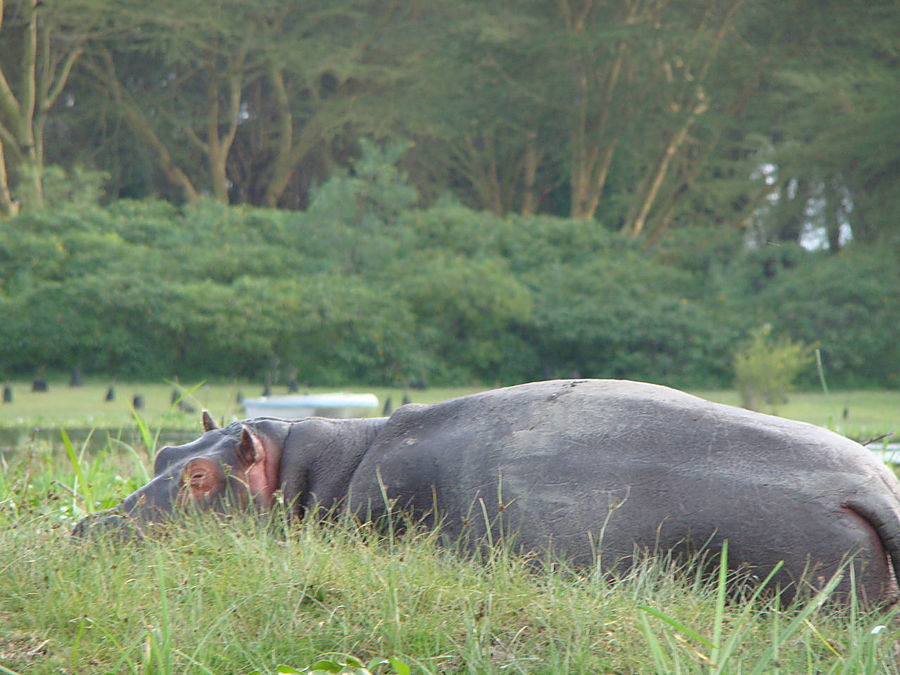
point(139, 462)
point(85, 493)
point(659, 657)
point(736, 635)
point(720, 608)
point(765, 662)
point(680, 627)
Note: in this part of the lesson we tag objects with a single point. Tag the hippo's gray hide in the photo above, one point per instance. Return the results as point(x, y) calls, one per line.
point(575, 467)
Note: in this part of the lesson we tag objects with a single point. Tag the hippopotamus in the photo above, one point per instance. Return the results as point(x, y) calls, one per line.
point(593, 472)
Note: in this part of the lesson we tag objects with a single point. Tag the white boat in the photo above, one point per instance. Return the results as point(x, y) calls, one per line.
point(294, 406)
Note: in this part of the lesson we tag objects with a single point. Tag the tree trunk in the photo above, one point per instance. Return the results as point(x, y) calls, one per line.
point(592, 146)
point(530, 165)
point(284, 139)
point(42, 75)
point(217, 147)
point(288, 162)
point(833, 209)
point(635, 227)
point(8, 206)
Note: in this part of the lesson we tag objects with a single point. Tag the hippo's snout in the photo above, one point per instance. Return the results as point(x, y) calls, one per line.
point(110, 523)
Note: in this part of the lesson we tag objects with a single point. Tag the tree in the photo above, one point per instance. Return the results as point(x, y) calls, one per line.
point(838, 102)
point(635, 107)
point(235, 99)
point(42, 40)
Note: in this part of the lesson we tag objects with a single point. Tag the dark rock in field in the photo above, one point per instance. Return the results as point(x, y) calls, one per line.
point(111, 394)
point(184, 406)
point(293, 385)
point(40, 385)
point(138, 401)
point(7, 394)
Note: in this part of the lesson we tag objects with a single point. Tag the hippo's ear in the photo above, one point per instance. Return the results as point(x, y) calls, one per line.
point(256, 466)
point(209, 424)
point(250, 448)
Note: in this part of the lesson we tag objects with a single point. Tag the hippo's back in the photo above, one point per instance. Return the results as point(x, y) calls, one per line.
point(567, 464)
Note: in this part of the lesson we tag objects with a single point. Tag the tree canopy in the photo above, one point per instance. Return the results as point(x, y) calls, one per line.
point(641, 115)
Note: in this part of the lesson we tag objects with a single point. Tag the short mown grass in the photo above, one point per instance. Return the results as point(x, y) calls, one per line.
point(86, 406)
point(857, 414)
point(255, 594)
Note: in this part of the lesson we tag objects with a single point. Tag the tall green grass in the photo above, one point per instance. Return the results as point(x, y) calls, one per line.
point(256, 594)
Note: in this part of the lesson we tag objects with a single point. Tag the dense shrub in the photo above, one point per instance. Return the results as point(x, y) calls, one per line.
point(364, 287)
point(847, 305)
point(468, 313)
point(765, 368)
point(625, 316)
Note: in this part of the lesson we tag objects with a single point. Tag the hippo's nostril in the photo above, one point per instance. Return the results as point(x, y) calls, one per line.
point(110, 523)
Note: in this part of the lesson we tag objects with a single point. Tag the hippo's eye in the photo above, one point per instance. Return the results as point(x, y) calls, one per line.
point(200, 478)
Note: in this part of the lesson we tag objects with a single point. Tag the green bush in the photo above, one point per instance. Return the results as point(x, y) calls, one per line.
point(364, 287)
point(468, 313)
point(623, 315)
point(766, 367)
point(847, 305)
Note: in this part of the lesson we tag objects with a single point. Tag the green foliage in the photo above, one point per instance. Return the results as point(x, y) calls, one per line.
point(766, 367)
point(623, 315)
point(846, 304)
point(385, 293)
point(77, 187)
point(364, 287)
point(467, 311)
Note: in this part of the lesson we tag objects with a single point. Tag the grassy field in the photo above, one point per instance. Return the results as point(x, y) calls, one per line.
point(857, 414)
point(243, 596)
point(64, 406)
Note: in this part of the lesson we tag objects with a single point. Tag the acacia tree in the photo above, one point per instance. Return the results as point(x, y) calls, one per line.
point(176, 72)
point(478, 114)
point(648, 100)
point(629, 105)
point(326, 77)
point(838, 111)
point(42, 40)
point(231, 98)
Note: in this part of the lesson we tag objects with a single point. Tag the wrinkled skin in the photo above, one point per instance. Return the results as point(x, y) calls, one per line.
point(580, 468)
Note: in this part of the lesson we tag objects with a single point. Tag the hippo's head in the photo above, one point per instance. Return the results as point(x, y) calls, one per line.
point(224, 469)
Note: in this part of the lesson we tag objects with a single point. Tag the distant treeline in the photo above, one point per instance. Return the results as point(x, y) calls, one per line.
point(366, 287)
